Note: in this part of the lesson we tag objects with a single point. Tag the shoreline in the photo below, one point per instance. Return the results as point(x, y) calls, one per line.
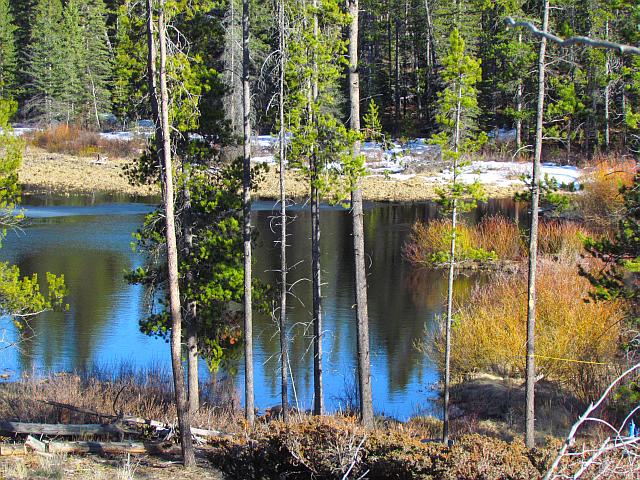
point(47, 173)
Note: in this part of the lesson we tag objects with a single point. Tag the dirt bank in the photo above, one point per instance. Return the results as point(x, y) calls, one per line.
point(47, 172)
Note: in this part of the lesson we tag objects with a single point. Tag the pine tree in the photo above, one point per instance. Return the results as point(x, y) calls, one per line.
point(73, 61)
point(45, 59)
point(8, 54)
point(458, 109)
point(320, 140)
point(97, 61)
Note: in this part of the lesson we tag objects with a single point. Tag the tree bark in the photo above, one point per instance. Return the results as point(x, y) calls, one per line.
point(533, 243)
point(362, 314)
point(246, 208)
point(184, 420)
point(152, 74)
point(284, 347)
point(318, 400)
point(192, 312)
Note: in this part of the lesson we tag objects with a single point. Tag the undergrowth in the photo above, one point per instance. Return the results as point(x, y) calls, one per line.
point(72, 140)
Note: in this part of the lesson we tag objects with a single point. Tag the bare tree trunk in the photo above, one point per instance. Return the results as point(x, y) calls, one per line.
point(362, 314)
point(519, 107)
point(533, 243)
point(452, 263)
point(318, 400)
point(192, 313)
point(284, 347)
point(151, 74)
point(184, 420)
point(397, 80)
point(607, 94)
point(246, 206)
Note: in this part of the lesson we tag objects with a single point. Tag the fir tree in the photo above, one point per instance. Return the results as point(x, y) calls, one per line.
point(8, 55)
point(73, 61)
point(45, 59)
point(97, 63)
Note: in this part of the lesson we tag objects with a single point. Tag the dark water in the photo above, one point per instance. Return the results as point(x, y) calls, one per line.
point(88, 240)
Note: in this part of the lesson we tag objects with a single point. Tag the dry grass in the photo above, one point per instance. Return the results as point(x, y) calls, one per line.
point(601, 203)
point(83, 143)
point(93, 467)
point(46, 172)
point(144, 393)
point(489, 333)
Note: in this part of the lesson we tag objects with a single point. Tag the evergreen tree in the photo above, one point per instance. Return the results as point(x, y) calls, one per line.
point(45, 59)
point(73, 61)
point(97, 61)
point(8, 54)
point(458, 109)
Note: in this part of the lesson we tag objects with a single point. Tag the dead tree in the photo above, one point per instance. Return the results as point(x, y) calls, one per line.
point(246, 209)
point(284, 347)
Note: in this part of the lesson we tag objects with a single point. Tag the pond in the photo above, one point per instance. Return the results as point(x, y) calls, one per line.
point(89, 241)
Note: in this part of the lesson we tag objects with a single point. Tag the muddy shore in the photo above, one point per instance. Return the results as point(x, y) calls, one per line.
point(45, 172)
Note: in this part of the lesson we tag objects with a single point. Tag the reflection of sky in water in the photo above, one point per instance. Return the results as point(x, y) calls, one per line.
point(90, 244)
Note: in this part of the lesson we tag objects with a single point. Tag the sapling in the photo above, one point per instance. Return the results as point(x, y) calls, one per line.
point(457, 139)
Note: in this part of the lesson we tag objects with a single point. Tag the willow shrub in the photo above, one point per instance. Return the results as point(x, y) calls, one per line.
point(601, 203)
point(494, 239)
point(489, 334)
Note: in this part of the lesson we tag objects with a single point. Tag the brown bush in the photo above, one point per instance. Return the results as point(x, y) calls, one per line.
point(84, 143)
point(317, 447)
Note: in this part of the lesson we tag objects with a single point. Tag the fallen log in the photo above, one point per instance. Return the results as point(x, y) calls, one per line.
point(135, 448)
point(62, 430)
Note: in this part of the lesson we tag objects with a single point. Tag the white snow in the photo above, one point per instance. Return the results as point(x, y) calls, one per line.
point(510, 173)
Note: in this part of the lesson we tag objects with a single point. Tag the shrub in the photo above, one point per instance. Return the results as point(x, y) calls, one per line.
point(495, 238)
point(429, 244)
point(601, 203)
point(325, 447)
point(489, 333)
point(75, 141)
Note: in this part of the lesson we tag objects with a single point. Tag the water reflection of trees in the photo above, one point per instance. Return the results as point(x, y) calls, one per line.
point(71, 339)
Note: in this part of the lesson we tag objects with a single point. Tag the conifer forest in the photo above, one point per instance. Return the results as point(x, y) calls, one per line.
point(341, 239)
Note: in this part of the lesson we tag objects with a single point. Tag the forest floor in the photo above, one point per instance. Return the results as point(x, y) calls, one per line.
point(47, 172)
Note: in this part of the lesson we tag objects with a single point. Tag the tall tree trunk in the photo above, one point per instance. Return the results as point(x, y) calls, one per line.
point(362, 314)
point(318, 400)
point(184, 420)
point(607, 94)
point(533, 243)
point(284, 347)
point(246, 206)
point(519, 106)
point(192, 313)
point(151, 74)
point(396, 95)
point(450, 278)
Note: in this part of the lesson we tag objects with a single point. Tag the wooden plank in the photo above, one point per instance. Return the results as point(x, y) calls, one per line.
point(62, 430)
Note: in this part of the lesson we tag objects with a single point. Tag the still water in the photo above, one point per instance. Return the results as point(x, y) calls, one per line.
point(89, 241)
